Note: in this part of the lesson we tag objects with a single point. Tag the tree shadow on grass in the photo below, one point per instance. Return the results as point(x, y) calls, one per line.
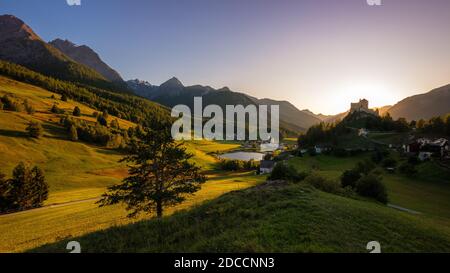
point(107, 151)
point(11, 133)
point(55, 131)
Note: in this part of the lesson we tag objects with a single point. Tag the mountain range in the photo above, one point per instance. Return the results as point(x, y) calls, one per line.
point(424, 106)
point(65, 60)
point(21, 45)
point(173, 92)
point(85, 55)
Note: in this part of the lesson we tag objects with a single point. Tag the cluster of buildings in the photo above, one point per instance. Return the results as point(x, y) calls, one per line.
point(426, 148)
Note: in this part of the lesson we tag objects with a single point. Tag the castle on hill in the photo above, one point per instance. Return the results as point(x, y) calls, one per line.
point(363, 106)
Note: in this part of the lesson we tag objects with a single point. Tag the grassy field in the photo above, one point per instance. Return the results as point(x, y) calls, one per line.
point(389, 138)
point(31, 229)
point(74, 170)
point(427, 192)
point(78, 173)
point(277, 218)
point(289, 218)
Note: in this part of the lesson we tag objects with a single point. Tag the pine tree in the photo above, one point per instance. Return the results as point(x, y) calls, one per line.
point(39, 188)
point(73, 133)
point(114, 124)
point(5, 201)
point(35, 130)
point(77, 111)
point(20, 187)
point(161, 175)
point(56, 110)
point(29, 108)
point(105, 114)
point(27, 189)
point(102, 121)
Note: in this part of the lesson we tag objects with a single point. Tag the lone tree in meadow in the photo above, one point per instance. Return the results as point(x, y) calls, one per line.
point(77, 111)
point(102, 121)
point(35, 130)
point(161, 175)
point(73, 133)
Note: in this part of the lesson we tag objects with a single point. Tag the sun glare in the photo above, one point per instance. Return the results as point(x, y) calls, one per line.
point(378, 95)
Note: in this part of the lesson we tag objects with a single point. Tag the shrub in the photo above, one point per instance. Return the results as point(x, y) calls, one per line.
point(389, 163)
point(378, 155)
point(339, 152)
point(283, 171)
point(105, 114)
point(414, 160)
point(29, 108)
point(114, 124)
point(349, 178)
point(365, 167)
point(102, 121)
point(12, 104)
point(1, 105)
point(323, 184)
point(408, 169)
point(64, 97)
point(372, 187)
point(238, 165)
point(312, 152)
point(77, 111)
point(35, 130)
point(56, 110)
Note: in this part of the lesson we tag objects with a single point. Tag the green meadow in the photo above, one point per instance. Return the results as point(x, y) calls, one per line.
point(272, 218)
point(427, 192)
point(233, 212)
point(79, 173)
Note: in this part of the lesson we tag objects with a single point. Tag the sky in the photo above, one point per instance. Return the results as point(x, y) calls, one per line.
point(318, 54)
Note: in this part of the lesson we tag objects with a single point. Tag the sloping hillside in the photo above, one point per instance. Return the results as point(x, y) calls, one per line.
point(272, 218)
point(85, 55)
point(21, 45)
point(78, 173)
point(424, 106)
point(292, 115)
point(74, 170)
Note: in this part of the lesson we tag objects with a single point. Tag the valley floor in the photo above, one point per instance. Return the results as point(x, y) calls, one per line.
point(228, 215)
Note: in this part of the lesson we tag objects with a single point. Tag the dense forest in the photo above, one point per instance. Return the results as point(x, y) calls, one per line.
point(120, 104)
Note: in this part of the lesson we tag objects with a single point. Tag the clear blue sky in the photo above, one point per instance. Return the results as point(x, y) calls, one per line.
point(318, 54)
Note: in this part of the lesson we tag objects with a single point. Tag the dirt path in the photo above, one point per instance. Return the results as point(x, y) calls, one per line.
point(403, 209)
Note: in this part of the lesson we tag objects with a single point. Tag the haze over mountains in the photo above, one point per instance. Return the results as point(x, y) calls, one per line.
point(65, 60)
point(173, 92)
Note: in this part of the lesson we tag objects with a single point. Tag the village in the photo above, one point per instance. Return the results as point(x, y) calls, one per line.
point(413, 145)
